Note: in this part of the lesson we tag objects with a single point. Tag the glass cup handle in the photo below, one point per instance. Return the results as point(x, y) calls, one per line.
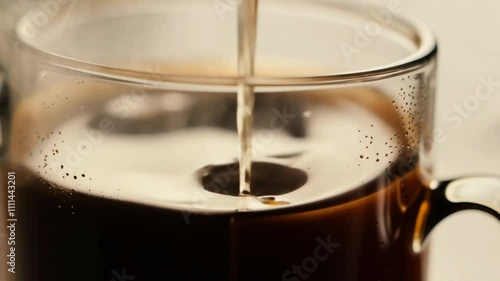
point(448, 197)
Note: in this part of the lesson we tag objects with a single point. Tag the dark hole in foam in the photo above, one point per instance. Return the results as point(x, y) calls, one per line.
point(267, 179)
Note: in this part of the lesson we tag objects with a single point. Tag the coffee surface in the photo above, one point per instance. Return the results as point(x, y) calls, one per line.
point(341, 144)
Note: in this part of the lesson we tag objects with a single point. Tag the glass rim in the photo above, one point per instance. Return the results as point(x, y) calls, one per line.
point(425, 52)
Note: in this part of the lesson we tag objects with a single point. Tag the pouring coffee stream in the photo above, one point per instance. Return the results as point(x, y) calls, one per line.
point(260, 180)
point(247, 31)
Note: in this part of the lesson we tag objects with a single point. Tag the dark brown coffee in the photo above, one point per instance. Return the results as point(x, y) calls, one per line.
point(269, 179)
point(364, 235)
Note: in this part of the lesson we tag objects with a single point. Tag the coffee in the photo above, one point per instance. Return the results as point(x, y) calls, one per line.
point(98, 199)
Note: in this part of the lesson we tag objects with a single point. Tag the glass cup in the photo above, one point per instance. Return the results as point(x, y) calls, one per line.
point(120, 148)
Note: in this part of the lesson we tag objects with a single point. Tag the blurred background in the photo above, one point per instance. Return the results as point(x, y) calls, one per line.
point(466, 246)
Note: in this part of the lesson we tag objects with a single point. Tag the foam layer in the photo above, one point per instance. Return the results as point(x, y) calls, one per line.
point(348, 144)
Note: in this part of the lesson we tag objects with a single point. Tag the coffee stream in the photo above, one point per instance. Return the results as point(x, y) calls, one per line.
point(247, 30)
point(263, 181)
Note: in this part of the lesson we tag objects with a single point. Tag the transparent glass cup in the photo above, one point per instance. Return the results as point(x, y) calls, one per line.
point(119, 145)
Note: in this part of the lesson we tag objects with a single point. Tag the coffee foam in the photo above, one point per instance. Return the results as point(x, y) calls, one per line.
point(159, 170)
